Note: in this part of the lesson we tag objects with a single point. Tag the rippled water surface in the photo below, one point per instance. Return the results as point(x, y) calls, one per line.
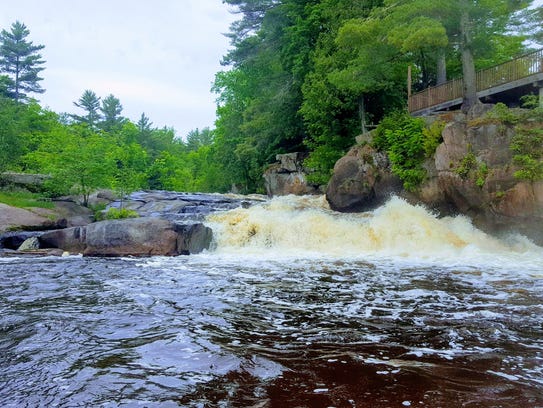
point(220, 330)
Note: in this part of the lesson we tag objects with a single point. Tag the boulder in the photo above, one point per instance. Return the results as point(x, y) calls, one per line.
point(192, 238)
point(133, 236)
point(68, 239)
point(31, 244)
point(361, 180)
point(74, 214)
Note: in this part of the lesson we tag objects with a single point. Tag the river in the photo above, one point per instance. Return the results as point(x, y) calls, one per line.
point(295, 306)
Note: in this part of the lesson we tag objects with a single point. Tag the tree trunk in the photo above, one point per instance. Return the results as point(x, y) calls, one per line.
point(468, 65)
point(441, 68)
point(362, 114)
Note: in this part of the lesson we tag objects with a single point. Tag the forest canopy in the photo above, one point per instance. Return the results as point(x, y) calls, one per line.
point(301, 75)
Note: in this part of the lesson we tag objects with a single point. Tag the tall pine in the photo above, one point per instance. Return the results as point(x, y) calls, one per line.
point(21, 61)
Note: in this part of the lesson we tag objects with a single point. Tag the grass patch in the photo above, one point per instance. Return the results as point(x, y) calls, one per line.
point(24, 199)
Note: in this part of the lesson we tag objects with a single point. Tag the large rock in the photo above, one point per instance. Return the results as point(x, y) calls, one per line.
point(192, 238)
point(63, 214)
point(135, 236)
point(362, 180)
point(31, 244)
point(12, 219)
point(288, 176)
point(69, 239)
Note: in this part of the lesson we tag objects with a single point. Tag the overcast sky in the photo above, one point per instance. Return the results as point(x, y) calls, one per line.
point(158, 57)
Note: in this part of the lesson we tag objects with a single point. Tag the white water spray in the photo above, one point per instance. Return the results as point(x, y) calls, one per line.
point(298, 226)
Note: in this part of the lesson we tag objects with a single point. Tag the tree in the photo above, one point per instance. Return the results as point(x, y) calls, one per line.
point(475, 29)
point(78, 161)
point(90, 103)
point(111, 109)
point(11, 146)
point(20, 60)
point(198, 138)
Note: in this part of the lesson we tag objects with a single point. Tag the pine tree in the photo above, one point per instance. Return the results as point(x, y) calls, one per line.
point(111, 112)
point(90, 103)
point(20, 60)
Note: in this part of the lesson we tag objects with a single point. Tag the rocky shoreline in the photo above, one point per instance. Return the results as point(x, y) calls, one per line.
point(169, 224)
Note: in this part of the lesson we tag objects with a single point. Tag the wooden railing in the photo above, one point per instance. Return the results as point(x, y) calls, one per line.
point(510, 71)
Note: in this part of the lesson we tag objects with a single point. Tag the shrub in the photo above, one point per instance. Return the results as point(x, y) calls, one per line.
point(527, 144)
point(408, 142)
point(119, 213)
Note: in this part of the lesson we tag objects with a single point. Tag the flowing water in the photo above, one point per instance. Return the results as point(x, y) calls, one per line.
point(296, 306)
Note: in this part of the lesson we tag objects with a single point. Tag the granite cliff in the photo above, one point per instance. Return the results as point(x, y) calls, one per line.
point(472, 172)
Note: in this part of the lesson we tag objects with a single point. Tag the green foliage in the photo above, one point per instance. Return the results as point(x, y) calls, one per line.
point(403, 138)
point(119, 213)
point(530, 101)
point(111, 110)
point(482, 173)
point(433, 136)
point(468, 163)
point(90, 103)
point(527, 145)
point(24, 199)
point(501, 113)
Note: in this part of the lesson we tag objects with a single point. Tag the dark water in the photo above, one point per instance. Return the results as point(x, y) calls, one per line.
point(216, 331)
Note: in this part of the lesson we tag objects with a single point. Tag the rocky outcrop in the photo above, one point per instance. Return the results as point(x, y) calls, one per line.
point(476, 174)
point(182, 207)
point(12, 218)
point(30, 182)
point(471, 172)
point(288, 176)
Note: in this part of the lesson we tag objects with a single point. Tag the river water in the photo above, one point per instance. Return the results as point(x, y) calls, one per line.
point(295, 306)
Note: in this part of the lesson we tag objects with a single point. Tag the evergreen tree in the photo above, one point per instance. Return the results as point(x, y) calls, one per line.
point(21, 61)
point(90, 103)
point(111, 109)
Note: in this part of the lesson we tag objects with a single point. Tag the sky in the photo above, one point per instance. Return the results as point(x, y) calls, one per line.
point(157, 57)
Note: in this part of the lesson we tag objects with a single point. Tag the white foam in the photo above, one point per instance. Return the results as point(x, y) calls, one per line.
point(305, 227)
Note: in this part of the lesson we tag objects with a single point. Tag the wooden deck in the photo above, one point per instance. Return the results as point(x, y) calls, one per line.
point(524, 70)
